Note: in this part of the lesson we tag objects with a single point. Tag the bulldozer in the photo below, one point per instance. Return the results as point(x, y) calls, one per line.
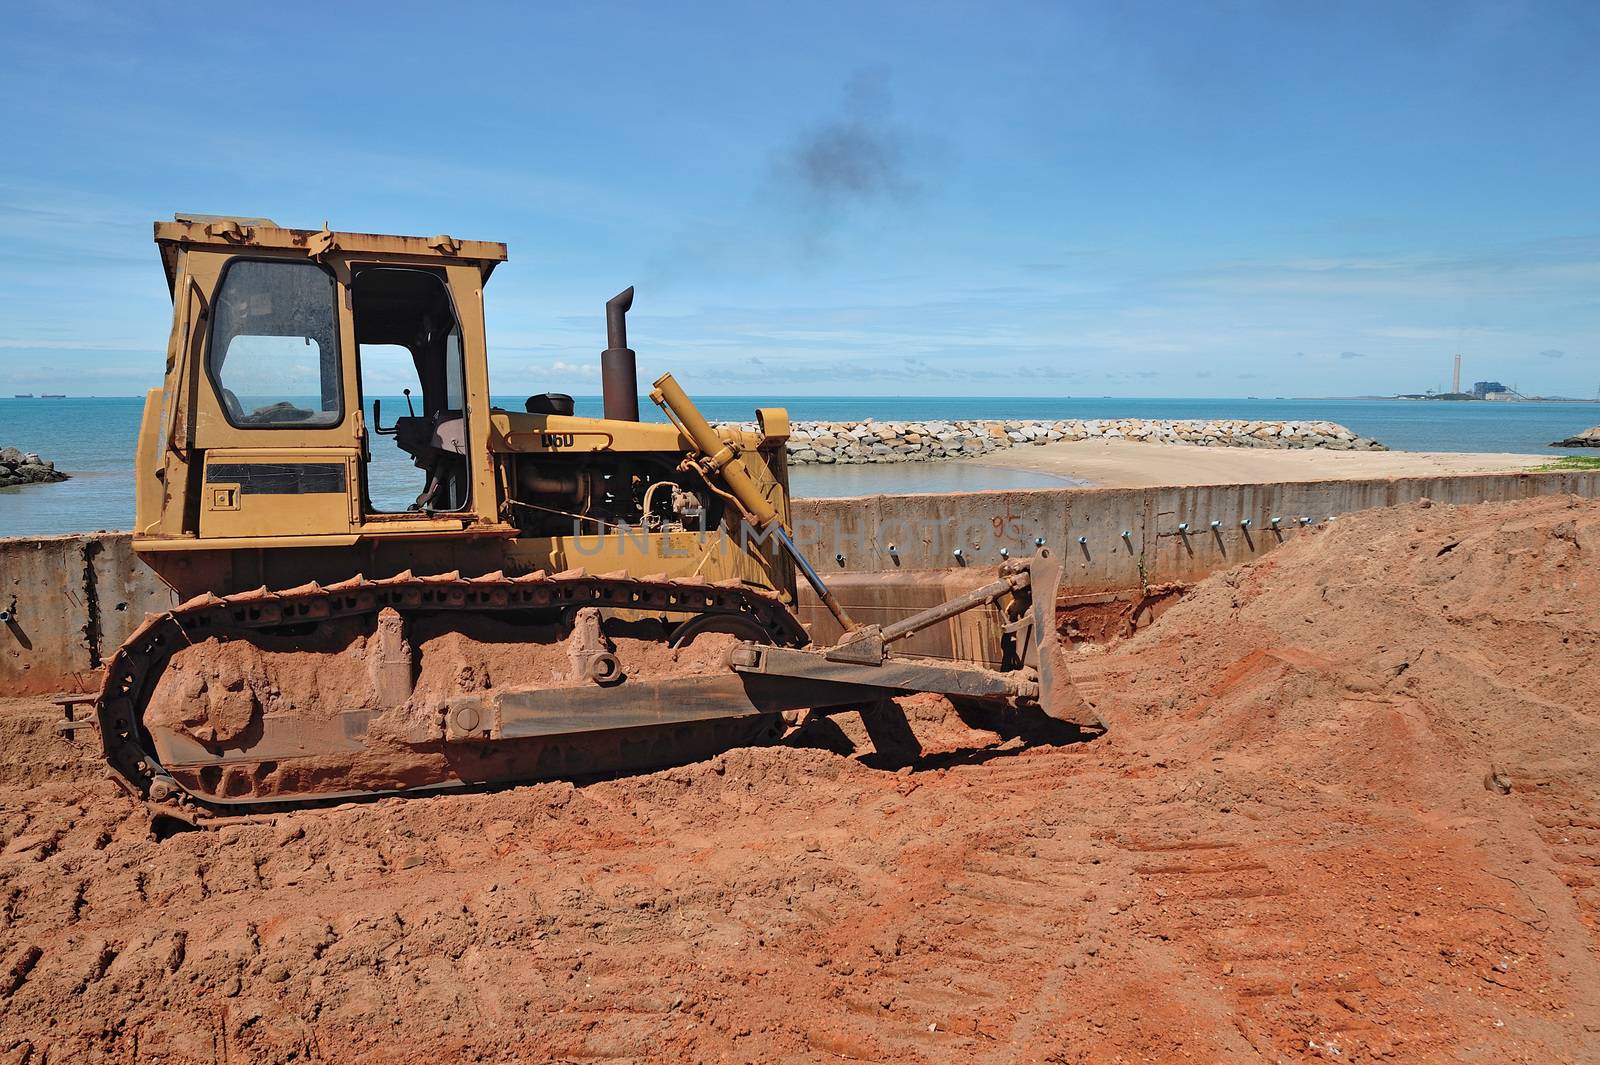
point(551, 596)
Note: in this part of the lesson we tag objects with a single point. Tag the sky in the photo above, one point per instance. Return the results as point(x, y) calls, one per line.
point(1001, 199)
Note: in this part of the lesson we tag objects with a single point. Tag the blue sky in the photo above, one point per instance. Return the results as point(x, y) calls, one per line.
point(999, 199)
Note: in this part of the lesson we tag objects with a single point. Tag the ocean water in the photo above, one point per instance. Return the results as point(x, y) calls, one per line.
point(93, 440)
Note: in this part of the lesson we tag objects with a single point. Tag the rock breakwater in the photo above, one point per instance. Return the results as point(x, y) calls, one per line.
point(1587, 438)
point(921, 441)
point(26, 467)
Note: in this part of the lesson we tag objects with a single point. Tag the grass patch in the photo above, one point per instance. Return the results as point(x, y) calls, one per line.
point(1572, 462)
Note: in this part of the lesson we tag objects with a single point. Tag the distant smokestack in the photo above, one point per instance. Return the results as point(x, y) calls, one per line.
point(619, 371)
point(1455, 384)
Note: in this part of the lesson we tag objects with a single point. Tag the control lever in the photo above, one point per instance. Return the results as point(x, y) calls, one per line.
point(377, 420)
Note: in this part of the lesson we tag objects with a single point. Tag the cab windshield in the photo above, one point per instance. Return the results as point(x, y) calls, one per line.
point(274, 349)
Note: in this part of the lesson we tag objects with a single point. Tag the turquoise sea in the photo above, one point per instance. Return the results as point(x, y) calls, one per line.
point(93, 440)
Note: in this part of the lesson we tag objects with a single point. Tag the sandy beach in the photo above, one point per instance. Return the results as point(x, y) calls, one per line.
point(1121, 464)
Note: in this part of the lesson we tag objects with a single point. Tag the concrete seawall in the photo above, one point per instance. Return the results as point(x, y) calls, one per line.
point(71, 600)
point(1113, 542)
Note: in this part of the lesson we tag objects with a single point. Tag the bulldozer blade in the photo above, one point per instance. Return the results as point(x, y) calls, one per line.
point(1058, 696)
point(859, 663)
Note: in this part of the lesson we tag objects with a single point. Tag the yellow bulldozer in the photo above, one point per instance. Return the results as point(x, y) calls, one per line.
point(561, 596)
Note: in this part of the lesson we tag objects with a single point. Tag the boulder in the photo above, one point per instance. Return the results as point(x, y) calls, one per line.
point(26, 467)
point(1587, 438)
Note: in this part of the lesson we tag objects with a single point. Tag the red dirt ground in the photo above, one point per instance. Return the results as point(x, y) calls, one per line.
point(1295, 842)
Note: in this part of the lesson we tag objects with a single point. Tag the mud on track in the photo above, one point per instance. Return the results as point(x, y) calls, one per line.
point(1294, 843)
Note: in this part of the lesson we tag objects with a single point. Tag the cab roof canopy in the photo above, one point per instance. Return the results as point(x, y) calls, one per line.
point(229, 231)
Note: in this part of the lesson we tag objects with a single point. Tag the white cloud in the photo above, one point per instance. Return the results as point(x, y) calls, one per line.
point(563, 368)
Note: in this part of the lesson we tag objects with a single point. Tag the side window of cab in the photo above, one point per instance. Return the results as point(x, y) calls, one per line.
point(274, 354)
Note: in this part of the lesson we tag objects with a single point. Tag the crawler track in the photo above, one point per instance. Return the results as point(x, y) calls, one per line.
point(137, 665)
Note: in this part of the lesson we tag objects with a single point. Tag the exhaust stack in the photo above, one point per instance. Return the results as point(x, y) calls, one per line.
point(619, 372)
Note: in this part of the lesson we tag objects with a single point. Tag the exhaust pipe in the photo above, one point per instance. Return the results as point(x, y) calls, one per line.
point(619, 372)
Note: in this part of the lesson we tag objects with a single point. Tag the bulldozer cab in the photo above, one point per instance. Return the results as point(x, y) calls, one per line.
point(320, 387)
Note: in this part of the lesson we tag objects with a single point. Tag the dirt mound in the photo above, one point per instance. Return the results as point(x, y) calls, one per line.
point(1420, 681)
point(1346, 811)
point(1485, 616)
